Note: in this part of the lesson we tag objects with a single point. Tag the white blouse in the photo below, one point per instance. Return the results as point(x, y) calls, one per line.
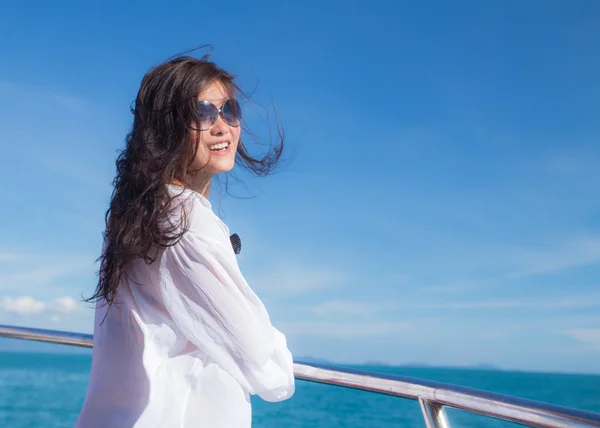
point(187, 340)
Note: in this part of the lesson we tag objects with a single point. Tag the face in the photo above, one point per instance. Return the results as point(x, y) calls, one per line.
point(218, 145)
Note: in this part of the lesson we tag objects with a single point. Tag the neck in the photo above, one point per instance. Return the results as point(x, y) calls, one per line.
point(198, 183)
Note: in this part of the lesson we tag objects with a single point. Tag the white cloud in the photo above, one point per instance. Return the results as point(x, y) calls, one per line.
point(341, 307)
point(34, 269)
point(65, 304)
point(582, 301)
point(295, 279)
point(60, 99)
point(9, 257)
point(344, 329)
point(23, 305)
point(483, 304)
point(450, 288)
point(566, 255)
point(587, 335)
point(28, 305)
point(495, 262)
point(398, 278)
point(42, 275)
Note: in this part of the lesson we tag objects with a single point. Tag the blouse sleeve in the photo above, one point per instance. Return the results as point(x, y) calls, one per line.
point(213, 306)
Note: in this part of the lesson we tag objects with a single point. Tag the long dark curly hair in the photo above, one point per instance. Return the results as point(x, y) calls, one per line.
point(158, 152)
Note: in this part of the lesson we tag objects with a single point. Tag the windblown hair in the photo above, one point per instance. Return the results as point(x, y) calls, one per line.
point(159, 149)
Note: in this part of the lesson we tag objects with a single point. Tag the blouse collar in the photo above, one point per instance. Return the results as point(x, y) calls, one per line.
point(203, 200)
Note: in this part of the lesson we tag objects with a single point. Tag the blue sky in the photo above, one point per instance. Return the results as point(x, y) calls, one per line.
point(441, 203)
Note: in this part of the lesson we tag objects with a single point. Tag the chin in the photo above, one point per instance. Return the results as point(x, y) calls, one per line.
point(223, 166)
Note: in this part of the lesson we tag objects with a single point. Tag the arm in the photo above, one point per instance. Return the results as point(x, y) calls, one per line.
point(213, 306)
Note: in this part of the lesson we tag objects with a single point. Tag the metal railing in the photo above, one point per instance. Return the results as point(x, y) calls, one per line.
point(433, 397)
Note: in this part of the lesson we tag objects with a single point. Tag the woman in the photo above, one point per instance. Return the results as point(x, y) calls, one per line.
point(180, 340)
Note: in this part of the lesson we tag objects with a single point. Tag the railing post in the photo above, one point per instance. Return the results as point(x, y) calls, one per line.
point(434, 414)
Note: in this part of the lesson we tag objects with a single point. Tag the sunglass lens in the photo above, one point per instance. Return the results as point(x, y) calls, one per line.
point(232, 112)
point(208, 114)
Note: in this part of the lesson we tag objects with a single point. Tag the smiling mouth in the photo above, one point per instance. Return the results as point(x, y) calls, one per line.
point(219, 147)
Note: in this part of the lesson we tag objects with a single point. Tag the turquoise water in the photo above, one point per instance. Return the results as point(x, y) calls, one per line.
point(47, 390)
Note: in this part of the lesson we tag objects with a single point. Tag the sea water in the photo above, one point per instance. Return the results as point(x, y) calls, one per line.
point(47, 390)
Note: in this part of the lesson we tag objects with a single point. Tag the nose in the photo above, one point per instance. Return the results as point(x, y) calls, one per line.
point(220, 128)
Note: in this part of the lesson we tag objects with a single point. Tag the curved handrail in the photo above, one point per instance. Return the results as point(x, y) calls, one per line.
point(43, 335)
point(432, 396)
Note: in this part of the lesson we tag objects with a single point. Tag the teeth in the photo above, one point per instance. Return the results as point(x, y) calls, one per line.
point(219, 146)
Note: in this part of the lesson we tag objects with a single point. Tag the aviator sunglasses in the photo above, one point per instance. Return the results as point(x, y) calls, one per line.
point(231, 113)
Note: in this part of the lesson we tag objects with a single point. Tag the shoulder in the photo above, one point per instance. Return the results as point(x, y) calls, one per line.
point(194, 212)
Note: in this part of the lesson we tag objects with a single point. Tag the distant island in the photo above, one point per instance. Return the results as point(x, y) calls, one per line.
point(313, 360)
point(486, 367)
point(8, 345)
point(15, 345)
point(378, 363)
